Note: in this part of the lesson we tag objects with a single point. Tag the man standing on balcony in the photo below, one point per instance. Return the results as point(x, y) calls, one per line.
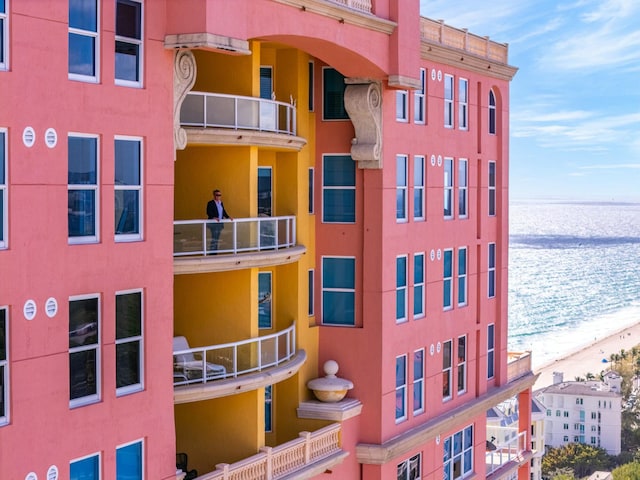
point(216, 212)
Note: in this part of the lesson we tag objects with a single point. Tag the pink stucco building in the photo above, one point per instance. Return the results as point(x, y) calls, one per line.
point(362, 154)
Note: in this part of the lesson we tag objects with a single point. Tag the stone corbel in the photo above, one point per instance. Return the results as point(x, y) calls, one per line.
point(184, 76)
point(363, 102)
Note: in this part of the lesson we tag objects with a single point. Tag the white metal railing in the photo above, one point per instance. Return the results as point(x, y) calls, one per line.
point(505, 452)
point(276, 462)
point(202, 109)
point(230, 360)
point(362, 5)
point(196, 237)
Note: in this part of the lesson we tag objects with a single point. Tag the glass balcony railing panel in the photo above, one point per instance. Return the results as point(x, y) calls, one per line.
point(248, 113)
point(192, 111)
point(189, 239)
point(268, 116)
point(221, 111)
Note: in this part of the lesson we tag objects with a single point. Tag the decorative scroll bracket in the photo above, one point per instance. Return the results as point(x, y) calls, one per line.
point(363, 102)
point(184, 77)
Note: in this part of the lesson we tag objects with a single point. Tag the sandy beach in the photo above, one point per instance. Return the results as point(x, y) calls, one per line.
point(588, 358)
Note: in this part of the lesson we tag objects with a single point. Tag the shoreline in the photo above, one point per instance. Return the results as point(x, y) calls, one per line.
point(588, 358)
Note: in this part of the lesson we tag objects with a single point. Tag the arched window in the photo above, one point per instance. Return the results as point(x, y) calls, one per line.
point(492, 113)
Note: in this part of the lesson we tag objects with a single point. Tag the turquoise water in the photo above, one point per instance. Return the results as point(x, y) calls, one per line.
point(574, 275)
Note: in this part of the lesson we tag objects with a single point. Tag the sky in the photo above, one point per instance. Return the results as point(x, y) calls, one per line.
point(575, 100)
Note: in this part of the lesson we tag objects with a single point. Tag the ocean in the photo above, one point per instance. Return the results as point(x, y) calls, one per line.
point(574, 275)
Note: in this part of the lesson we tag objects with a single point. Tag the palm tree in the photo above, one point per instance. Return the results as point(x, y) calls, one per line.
point(590, 376)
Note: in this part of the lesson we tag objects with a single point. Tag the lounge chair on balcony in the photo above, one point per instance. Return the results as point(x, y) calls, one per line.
point(186, 366)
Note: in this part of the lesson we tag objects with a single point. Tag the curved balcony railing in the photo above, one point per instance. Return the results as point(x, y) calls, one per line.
point(216, 110)
point(230, 360)
point(197, 237)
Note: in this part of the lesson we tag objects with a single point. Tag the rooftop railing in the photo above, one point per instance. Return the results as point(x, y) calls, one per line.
point(230, 360)
point(505, 452)
point(276, 462)
point(518, 365)
point(241, 235)
point(362, 5)
point(216, 110)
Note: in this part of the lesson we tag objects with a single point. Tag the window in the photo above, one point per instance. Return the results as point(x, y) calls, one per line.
point(4, 36)
point(462, 276)
point(83, 40)
point(129, 342)
point(458, 454)
point(401, 289)
point(447, 279)
point(264, 300)
point(492, 113)
point(490, 350)
point(419, 99)
point(82, 189)
point(491, 272)
point(463, 185)
point(446, 369)
point(338, 291)
point(4, 366)
point(448, 188)
point(463, 104)
point(311, 190)
point(418, 381)
point(3, 188)
point(401, 187)
point(311, 295)
point(129, 461)
point(311, 77)
point(402, 105)
point(265, 191)
point(128, 42)
point(87, 468)
point(579, 401)
point(268, 408)
point(418, 285)
point(448, 101)
point(410, 469)
point(401, 388)
point(266, 82)
point(558, 413)
point(565, 414)
point(565, 438)
point(462, 364)
point(84, 350)
point(333, 87)
point(338, 189)
point(492, 188)
point(418, 188)
point(128, 189)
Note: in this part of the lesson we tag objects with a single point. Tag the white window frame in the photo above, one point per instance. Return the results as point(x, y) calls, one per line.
point(492, 113)
point(4, 370)
point(142, 455)
point(461, 356)
point(326, 188)
point(449, 175)
point(134, 41)
point(447, 279)
point(96, 454)
point(132, 237)
point(311, 286)
point(418, 381)
point(96, 397)
point(312, 191)
point(463, 104)
point(4, 45)
point(402, 187)
point(4, 191)
point(463, 188)
point(339, 290)
point(491, 270)
point(402, 104)
point(96, 50)
point(410, 469)
point(419, 100)
point(447, 371)
point(419, 181)
point(134, 387)
point(419, 288)
point(449, 97)
point(451, 457)
point(402, 287)
point(491, 351)
point(401, 389)
point(83, 186)
point(491, 182)
point(462, 284)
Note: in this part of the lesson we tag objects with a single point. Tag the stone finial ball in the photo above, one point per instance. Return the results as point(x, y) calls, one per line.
point(331, 368)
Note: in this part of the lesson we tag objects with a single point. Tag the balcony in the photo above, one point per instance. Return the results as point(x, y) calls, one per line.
point(218, 119)
point(235, 367)
point(305, 457)
point(503, 457)
point(360, 5)
point(242, 243)
point(518, 365)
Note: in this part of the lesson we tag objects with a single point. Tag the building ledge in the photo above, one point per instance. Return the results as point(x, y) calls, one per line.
point(338, 411)
point(379, 454)
point(509, 468)
point(208, 41)
point(224, 136)
point(244, 383)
